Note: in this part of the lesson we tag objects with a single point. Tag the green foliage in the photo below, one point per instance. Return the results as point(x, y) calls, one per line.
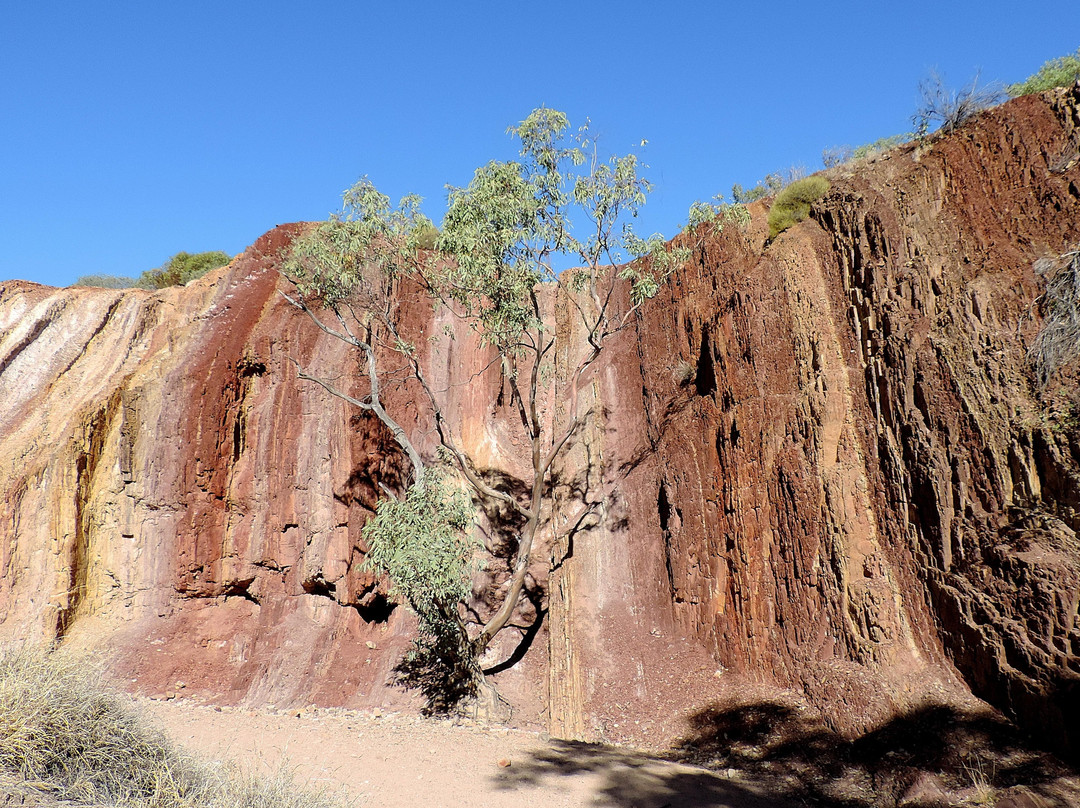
point(717, 215)
point(658, 261)
point(490, 228)
point(421, 541)
point(767, 187)
point(1059, 72)
point(505, 228)
point(182, 268)
point(63, 732)
point(793, 203)
point(106, 281)
point(338, 257)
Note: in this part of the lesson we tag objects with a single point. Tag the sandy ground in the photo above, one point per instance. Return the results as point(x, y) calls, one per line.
point(402, 761)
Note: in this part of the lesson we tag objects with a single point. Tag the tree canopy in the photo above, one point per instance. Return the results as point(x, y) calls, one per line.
point(504, 234)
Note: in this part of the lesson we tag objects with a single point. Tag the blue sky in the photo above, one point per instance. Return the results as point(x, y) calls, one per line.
point(131, 130)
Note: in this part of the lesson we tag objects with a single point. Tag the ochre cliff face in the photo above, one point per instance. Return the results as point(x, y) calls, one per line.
point(855, 488)
point(818, 464)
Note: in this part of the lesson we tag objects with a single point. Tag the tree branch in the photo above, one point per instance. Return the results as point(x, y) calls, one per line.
point(375, 404)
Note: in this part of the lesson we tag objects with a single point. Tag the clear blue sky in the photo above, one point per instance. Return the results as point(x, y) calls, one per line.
point(132, 130)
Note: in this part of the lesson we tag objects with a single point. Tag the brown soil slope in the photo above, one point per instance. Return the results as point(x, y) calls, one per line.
point(822, 464)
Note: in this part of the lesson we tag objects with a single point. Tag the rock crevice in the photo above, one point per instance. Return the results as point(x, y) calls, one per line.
point(821, 463)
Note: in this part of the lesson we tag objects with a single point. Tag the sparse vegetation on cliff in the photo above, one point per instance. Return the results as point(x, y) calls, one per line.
point(182, 268)
point(767, 187)
point(940, 107)
point(793, 203)
point(62, 732)
point(1058, 342)
point(838, 155)
point(717, 215)
point(881, 145)
point(106, 281)
point(771, 185)
point(1059, 72)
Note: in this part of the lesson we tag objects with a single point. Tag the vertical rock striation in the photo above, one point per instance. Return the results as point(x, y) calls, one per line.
point(821, 463)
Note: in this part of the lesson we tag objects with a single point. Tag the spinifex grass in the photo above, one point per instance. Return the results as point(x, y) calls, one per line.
point(63, 732)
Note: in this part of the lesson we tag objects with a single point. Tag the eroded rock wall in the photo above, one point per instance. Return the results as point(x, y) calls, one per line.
point(820, 464)
point(839, 473)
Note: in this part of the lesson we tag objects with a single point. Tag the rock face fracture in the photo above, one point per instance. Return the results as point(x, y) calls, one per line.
point(822, 463)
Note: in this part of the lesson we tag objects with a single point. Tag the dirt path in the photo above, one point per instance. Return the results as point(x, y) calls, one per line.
point(401, 761)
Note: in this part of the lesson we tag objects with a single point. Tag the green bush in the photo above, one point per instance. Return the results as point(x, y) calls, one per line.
point(62, 732)
point(106, 281)
point(182, 268)
point(1060, 72)
point(793, 203)
point(422, 542)
point(767, 187)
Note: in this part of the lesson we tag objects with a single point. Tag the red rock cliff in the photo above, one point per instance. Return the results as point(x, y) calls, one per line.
point(820, 464)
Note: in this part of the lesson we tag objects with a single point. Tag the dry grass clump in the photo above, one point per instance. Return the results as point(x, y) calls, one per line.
point(950, 108)
point(62, 732)
point(1058, 343)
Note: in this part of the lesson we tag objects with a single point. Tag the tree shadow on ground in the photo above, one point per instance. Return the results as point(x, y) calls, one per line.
point(774, 754)
point(625, 779)
point(934, 755)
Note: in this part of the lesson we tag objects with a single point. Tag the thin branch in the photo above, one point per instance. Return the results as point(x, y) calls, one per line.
point(302, 374)
point(560, 444)
point(300, 304)
point(375, 404)
point(447, 441)
point(516, 395)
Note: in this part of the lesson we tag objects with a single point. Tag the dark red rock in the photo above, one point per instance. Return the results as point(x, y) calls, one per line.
point(821, 464)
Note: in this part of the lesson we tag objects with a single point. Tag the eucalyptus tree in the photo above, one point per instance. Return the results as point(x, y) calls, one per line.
point(504, 236)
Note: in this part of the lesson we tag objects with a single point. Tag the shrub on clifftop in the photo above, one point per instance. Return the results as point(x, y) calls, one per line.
point(793, 203)
point(948, 109)
point(105, 281)
point(1060, 72)
point(182, 268)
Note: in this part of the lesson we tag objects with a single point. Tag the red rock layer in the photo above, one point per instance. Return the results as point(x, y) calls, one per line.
point(820, 463)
